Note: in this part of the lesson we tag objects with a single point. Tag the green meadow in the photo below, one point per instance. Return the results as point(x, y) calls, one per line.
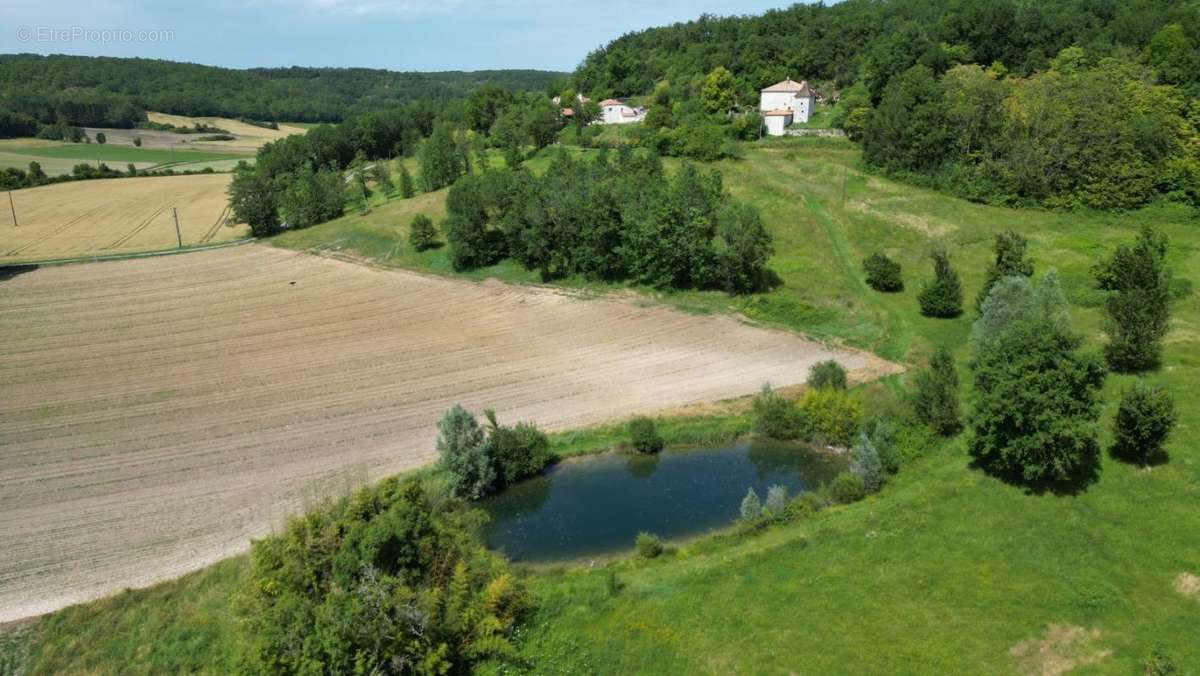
point(59, 158)
point(947, 570)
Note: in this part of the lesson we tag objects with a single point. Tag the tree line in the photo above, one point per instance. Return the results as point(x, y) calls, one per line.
point(117, 92)
point(870, 41)
point(606, 219)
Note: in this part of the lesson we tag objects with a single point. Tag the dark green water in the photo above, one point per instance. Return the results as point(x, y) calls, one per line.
point(596, 505)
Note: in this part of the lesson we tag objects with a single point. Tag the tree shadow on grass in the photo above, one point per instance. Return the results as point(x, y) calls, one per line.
point(8, 272)
point(1075, 483)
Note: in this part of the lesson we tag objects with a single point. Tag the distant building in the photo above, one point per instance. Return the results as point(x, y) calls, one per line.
point(785, 102)
point(613, 111)
point(568, 112)
point(776, 121)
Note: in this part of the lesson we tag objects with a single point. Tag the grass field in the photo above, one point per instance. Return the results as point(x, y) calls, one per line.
point(947, 570)
point(116, 156)
point(118, 215)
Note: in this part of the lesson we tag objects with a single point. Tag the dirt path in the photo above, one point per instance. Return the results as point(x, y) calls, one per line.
point(157, 413)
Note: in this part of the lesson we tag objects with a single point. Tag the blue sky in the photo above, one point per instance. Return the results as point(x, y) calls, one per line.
point(394, 34)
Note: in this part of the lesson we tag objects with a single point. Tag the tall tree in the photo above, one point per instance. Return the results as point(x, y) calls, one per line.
point(1138, 311)
point(1010, 261)
point(1036, 401)
point(440, 159)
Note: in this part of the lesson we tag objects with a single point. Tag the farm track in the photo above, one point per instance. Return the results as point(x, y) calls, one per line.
point(157, 413)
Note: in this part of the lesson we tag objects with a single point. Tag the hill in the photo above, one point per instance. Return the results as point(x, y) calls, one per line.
point(947, 568)
point(116, 92)
point(872, 40)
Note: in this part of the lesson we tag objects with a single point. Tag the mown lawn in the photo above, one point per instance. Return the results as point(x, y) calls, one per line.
point(947, 570)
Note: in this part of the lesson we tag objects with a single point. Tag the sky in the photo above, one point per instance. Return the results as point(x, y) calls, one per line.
point(392, 34)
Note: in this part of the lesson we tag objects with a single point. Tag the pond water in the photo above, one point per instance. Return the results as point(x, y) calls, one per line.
point(597, 505)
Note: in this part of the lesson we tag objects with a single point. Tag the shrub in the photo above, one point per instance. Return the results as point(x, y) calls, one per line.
point(464, 454)
point(883, 437)
point(1143, 423)
point(137, 141)
point(935, 401)
point(1159, 663)
point(751, 507)
point(847, 488)
point(827, 374)
point(422, 234)
point(834, 416)
point(776, 417)
point(865, 464)
point(883, 273)
point(101, 138)
point(1009, 262)
point(776, 501)
point(392, 575)
point(516, 452)
point(643, 435)
point(805, 504)
point(942, 296)
point(405, 180)
point(648, 545)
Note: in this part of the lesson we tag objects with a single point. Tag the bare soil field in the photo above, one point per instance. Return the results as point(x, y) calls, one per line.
point(249, 136)
point(157, 413)
point(107, 216)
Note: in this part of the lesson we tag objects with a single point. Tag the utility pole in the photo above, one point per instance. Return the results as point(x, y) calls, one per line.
point(178, 236)
point(13, 208)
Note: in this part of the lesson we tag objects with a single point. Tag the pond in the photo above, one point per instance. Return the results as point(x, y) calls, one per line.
point(596, 505)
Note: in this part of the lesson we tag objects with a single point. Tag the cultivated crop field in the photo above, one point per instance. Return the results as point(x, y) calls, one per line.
point(156, 413)
point(109, 216)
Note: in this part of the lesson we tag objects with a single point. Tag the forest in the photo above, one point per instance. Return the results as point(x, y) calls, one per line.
point(116, 92)
point(1070, 104)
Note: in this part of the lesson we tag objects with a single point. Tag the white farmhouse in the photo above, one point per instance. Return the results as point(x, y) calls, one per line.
point(784, 103)
point(613, 111)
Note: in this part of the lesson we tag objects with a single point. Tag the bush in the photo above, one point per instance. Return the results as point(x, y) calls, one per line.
point(1009, 262)
point(464, 454)
point(1159, 663)
point(834, 416)
point(847, 488)
point(883, 437)
point(751, 507)
point(827, 374)
point(1143, 423)
point(516, 452)
point(648, 545)
point(805, 504)
point(776, 417)
point(935, 401)
point(883, 273)
point(390, 576)
point(942, 296)
point(866, 465)
point(422, 234)
point(643, 435)
point(776, 502)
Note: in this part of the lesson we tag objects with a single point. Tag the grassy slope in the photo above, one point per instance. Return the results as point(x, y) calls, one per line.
point(944, 571)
